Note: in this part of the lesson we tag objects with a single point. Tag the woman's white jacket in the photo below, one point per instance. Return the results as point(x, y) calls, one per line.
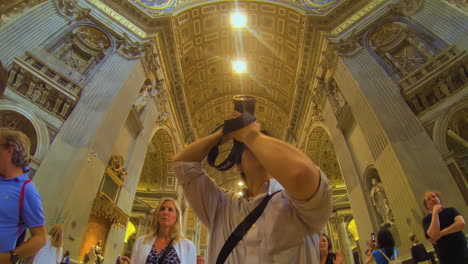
point(185, 250)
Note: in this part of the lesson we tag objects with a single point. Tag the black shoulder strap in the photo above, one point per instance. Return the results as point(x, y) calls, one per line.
point(242, 229)
point(166, 251)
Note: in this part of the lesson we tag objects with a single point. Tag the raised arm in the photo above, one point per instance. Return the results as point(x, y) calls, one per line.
point(434, 228)
point(198, 150)
point(284, 162)
point(201, 192)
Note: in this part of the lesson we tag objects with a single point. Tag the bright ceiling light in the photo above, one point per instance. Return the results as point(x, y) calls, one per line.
point(240, 183)
point(240, 193)
point(239, 66)
point(238, 20)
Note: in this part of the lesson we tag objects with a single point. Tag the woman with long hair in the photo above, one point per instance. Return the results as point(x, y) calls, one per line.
point(444, 229)
point(384, 250)
point(326, 256)
point(163, 244)
point(52, 251)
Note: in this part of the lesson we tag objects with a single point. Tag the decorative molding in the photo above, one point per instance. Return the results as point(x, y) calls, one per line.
point(462, 4)
point(104, 207)
point(118, 18)
point(406, 7)
point(356, 17)
point(348, 47)
point(436, 80)
point(71, 10)
point(131, 50)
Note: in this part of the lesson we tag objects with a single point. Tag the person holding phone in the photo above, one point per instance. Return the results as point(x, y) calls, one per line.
point(383, 249)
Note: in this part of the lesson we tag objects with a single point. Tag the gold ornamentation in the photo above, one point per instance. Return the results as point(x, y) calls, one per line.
point(356, 17)
point(406, 7)
point(107, 209)
point(130, 49)
point(118, 18)
point(116, 165)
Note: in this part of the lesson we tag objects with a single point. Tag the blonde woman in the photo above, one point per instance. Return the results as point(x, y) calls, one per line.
point(52, 251)
point(164, 243)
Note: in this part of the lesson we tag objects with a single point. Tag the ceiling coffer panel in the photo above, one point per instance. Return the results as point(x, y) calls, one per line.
point(271, 45)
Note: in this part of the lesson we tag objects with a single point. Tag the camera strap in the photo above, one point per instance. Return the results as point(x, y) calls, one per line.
point(234, 156)
point(242, 229)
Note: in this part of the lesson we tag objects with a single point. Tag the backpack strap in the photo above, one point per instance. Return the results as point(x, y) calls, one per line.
point(385, 256)
point(166, 251)
point(242, 229)
point(21, 206)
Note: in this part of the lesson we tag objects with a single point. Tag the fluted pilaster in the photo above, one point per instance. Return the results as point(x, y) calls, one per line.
point(445, 20)
point(404, 155)
point(351, 176)
point(77, 159)
point(28, 30)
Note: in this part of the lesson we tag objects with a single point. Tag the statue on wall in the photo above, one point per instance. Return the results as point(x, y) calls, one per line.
point(441, 88)
point(19, 79)
point(142, 99)
point(36, 96)
point(380, 202)
point(116, 164)
point(97, 250)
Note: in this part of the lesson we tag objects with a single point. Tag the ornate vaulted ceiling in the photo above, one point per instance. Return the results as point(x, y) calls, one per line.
point(282, 46)
point(271, 47)
point(156, 8)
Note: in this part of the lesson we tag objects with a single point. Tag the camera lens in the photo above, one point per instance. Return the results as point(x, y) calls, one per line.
point(244, 103)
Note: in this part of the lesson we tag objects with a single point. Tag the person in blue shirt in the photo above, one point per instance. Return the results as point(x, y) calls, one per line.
point(385, 245)
point(14, 157)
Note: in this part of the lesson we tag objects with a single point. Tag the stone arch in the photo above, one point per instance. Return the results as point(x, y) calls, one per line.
point(157, 171)
point(451, 138)
point(442, 124)
point(41, 132)
point(319, 148)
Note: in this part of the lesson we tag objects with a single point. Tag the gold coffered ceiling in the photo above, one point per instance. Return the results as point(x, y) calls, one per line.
point(271, 45)
point(156, 8)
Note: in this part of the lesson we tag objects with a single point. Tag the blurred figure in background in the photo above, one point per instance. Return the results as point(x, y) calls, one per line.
point(66, 258)
point(418, 251)
point(326, 256)
point(52, 251)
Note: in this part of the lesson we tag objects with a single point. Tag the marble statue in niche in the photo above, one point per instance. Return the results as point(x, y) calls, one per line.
point(143, 97)
point(380, 202)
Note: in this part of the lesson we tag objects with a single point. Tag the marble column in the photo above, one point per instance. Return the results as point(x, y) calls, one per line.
point(29, 30)
point(344, 240)
point(72, 171)
point(444, 20)
point(351, 176)
point(404, 154)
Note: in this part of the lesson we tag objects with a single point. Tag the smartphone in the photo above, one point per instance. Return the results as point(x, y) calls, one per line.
point(372, 235)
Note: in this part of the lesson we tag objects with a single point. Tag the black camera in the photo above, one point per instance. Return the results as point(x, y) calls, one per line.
point(244, 103)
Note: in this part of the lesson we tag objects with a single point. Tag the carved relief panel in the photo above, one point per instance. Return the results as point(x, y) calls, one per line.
point(82, 48)
point(400, 48)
